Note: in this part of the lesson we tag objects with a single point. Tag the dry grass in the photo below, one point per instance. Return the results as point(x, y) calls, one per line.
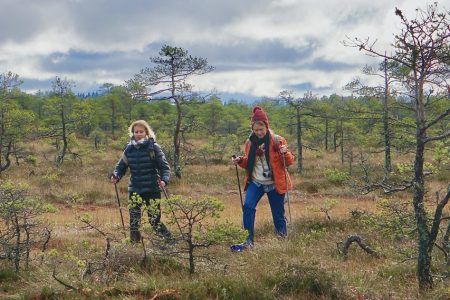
point(311, 246)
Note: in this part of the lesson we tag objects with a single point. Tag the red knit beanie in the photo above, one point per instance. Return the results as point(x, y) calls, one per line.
point(259, 115)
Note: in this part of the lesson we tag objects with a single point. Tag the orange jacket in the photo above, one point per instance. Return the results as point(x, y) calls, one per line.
point(275, 161)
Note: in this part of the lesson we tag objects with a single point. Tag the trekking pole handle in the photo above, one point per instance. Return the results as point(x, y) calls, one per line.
point(282, 146)
point(163, 188)
point(236, 159)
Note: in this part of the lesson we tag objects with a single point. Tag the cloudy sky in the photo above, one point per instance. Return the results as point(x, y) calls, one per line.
point(258, 47)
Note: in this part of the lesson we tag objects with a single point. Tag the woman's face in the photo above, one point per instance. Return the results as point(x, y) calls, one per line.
point(139, 132)
point(259, 130)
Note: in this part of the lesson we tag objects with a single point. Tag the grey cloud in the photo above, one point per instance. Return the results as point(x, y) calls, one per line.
point(117, 20)
point(245, 54)
point(327, 65)
point(252, 54)
point(45, 85)
point(19, 21)
point(303, 86)
point(80, 61)
point(354, 15)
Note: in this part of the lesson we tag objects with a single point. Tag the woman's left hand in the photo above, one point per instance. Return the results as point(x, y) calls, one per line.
point(162, 183)
point(283, 149)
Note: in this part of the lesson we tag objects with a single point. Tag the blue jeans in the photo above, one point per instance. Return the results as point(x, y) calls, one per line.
point(253, 194)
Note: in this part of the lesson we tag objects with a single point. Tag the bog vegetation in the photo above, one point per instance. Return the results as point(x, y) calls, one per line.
point(370, 213)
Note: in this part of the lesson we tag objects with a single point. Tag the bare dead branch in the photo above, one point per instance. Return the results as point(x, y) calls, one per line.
point(66, 285)
point(438, 214)
point(343, 246)
point(442, 250)
point(437, 137)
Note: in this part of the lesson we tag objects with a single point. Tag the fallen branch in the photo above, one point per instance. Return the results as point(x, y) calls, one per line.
point(66, 285)
point(343, 246)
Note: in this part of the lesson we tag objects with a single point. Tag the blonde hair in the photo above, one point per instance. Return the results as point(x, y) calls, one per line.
point(148, 130)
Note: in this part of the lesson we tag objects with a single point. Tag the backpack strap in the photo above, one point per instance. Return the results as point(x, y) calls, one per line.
point(151, 152)
point(124, 155)
point(151, 149)
point(124, 158)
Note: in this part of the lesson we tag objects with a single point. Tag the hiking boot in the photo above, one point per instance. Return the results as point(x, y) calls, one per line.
point(241, 247)
point(135, 236)
point(166, 236)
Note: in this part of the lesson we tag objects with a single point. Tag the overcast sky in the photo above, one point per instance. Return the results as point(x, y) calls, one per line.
point(258, 47)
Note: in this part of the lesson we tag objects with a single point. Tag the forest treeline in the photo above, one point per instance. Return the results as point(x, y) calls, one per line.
point(406, 108)
point(343, 124)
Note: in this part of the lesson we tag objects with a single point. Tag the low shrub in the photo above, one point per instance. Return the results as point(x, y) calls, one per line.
point(226, 288)
point(8, 275)
point(297, 280)
point(336, 176)
point(310, 187)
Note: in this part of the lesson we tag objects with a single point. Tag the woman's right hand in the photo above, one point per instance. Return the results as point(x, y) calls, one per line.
point(113, 179)
point(235, 159)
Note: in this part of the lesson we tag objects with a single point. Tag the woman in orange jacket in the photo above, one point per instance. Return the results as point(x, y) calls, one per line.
point(263, 161)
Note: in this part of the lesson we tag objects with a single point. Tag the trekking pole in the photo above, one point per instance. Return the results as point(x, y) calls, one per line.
point(163, 188)
point(120, 209)
point(285, 180)
point(165, 192)
point(239, 183)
